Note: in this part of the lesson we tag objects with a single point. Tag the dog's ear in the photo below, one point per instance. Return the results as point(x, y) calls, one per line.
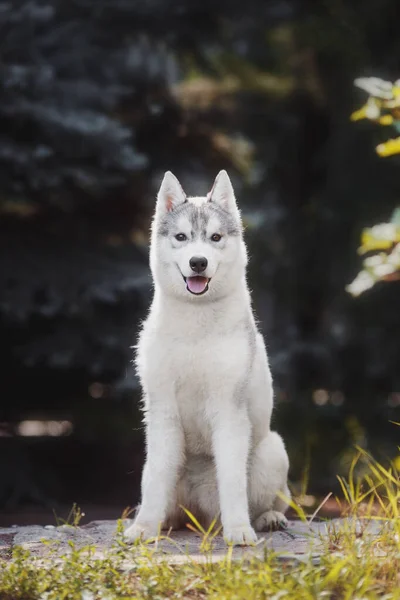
point(222, 193)
point(170, 194)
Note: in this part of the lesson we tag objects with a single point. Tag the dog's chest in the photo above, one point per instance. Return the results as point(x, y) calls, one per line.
point(195, 382)
point(205, 366)
point(196, 426)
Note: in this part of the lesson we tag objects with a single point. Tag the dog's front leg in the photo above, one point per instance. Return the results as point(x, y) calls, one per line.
point(231, 442)
point(165, 451)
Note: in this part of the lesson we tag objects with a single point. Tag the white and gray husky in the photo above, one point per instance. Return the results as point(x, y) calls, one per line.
point(204, 371)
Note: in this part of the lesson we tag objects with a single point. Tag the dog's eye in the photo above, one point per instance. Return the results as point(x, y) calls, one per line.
point(216, 237)
point(181, 237)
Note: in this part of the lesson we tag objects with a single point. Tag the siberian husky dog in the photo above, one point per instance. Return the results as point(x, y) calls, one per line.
point(206, 381)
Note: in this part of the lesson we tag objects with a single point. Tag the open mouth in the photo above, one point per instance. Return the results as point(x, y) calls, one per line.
point(197, 285)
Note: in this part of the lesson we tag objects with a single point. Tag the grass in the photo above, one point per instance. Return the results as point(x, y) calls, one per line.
point(352, 564)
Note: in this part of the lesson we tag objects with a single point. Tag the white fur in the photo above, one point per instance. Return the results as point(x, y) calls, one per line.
point(207, 389)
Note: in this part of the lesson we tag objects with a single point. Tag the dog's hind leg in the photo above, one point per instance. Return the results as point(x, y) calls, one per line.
point(268, 471)
point(197, 488)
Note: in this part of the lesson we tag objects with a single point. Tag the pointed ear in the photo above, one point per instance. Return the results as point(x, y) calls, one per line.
point(170, 194)
point(222, 192)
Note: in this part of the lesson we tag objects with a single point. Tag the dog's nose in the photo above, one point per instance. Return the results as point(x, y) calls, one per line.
point(198, 263)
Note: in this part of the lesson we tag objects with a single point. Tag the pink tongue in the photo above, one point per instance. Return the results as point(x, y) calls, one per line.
point(196, 284)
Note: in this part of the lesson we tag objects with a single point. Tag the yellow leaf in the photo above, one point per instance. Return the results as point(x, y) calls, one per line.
point(379, 237)
point(389, 148)
point(386, 120)
point(371, 110)
point(357, 115)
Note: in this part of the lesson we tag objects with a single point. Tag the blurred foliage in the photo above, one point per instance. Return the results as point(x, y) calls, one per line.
point(381, 242)
point(382, 107)
point(97, 99)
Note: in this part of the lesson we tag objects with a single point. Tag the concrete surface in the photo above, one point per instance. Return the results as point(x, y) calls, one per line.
point(298, 542)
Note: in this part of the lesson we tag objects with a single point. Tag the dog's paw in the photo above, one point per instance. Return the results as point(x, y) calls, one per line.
point(139, 532)
point(240, 536)
point(271, 520)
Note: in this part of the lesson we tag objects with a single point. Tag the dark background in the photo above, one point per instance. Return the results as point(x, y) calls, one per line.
point(97, 99)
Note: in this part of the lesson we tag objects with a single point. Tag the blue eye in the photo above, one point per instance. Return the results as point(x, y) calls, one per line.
point(216, 237)
point(181, 237)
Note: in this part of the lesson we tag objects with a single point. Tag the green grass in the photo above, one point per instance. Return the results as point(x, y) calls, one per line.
point(352, 564)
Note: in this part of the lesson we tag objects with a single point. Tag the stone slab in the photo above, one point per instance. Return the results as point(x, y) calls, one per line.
point(298, 542)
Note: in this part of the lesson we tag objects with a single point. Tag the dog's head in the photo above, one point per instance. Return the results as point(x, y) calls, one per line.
point(197, 248)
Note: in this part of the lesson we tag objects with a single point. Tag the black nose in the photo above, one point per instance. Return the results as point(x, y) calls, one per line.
point(198, 263)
